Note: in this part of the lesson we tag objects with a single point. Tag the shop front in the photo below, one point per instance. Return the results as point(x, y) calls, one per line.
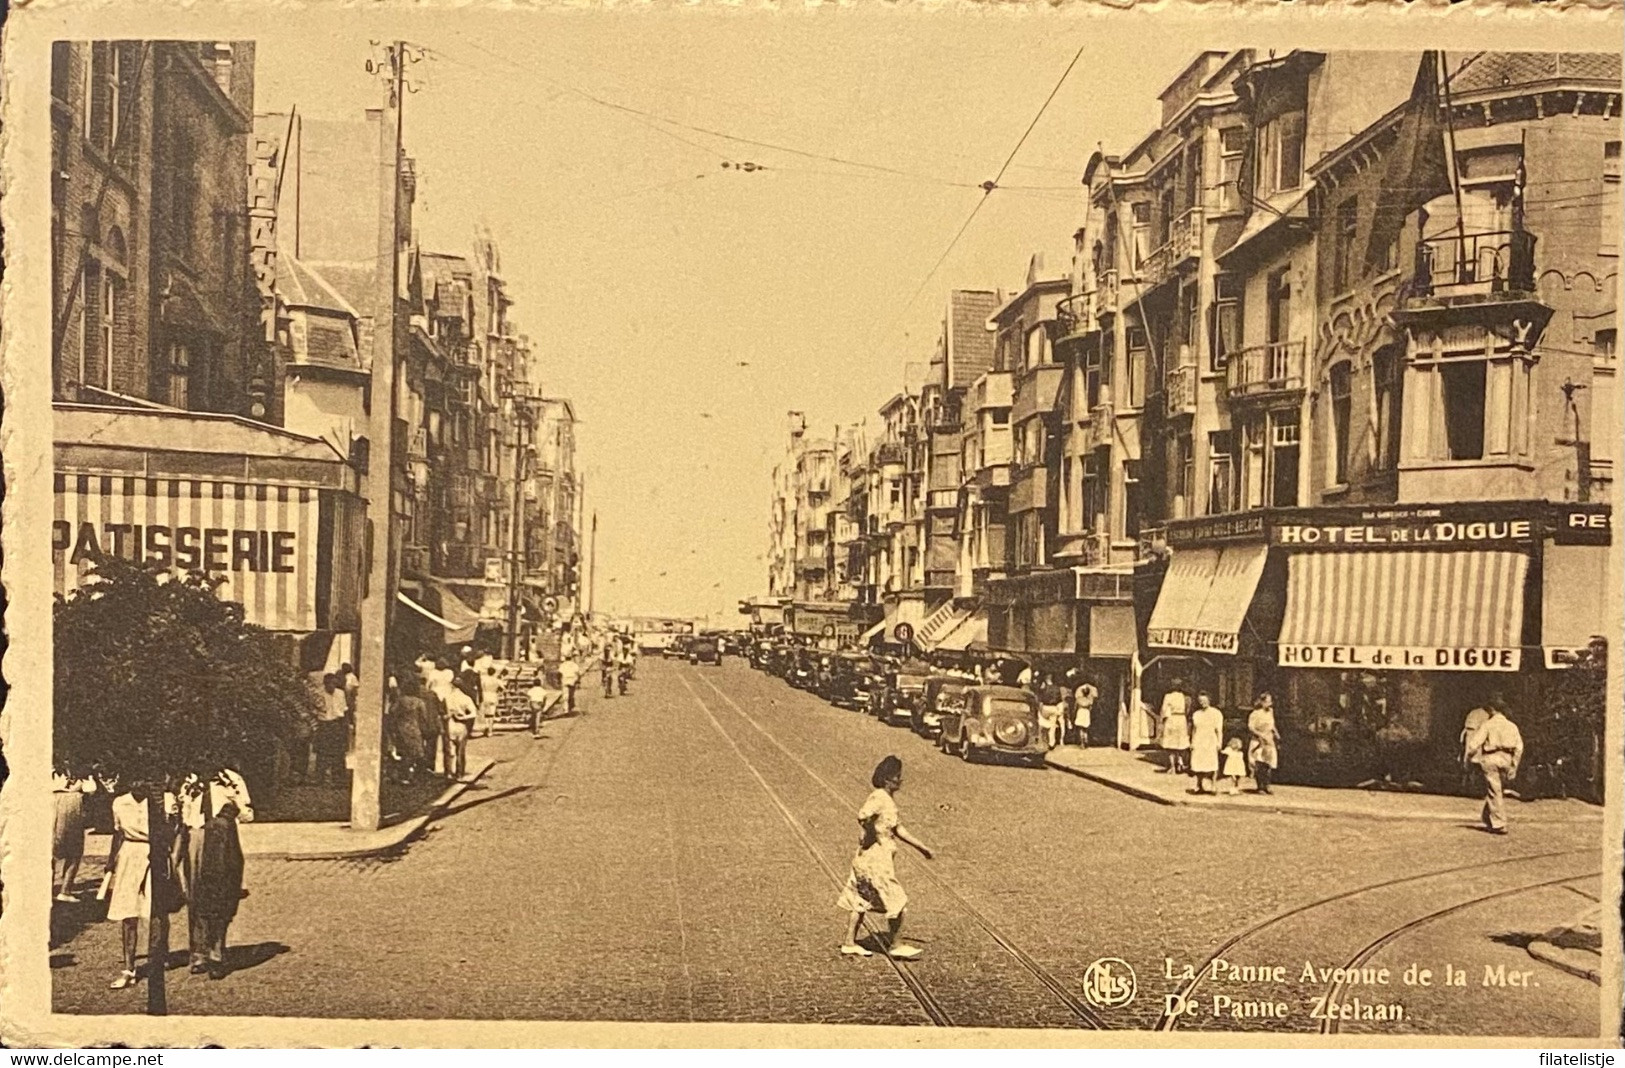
point(273, 515)
point(829, 625)
point(1076, 625)
point(1378, 629)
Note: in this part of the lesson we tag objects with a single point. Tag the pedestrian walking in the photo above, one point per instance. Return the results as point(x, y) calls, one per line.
point(1083, 710)
point(1264, 742)
point(1497, 748)
point(491, 686)
point(1234, 767)
point(541, 700)
point(1470, 777)
point(1207, 735)
point(431, 725)
point(406, 716)
point(872, 885)
point(1174, 728)
point(332, 730)
point(1051, 710)
point(212, 870)
point(130, 889)
point(68, 834)
point(460, 714)
point(569, 678)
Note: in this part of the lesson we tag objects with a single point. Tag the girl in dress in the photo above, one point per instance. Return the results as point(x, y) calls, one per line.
point(872, 886)
point(1235, 766)
point(129, 895)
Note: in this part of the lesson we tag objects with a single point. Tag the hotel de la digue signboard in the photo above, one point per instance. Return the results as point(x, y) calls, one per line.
point(1491, 534)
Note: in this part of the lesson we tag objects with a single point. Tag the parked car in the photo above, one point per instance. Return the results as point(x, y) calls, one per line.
point(677, 648)
point(704, 651)
point(845, 686)
point(940, 692)
point(998, 722)
point(903, 685)
point(803, 673)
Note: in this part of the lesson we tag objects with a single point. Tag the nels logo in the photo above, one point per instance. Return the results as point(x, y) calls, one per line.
point(1109, 983)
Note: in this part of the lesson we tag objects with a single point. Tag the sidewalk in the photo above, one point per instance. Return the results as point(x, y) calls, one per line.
point(1141, 775)
point(330, 841)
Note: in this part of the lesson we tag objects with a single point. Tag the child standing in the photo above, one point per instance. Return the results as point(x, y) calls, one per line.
point(1235, 766)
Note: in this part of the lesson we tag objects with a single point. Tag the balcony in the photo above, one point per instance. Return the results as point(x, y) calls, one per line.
point(1474, 268)
point(808, 563)
point(460, 560)
point(1105, 293)
point(1265, 371)
point(942, 500)
point(1101, 427)
point(1036, 393)
point(1184, 244)
point(414, 559)
point(1075, 316)
point(939, 579)
point(1152, 543)
point(1180, 386)
point(890, 453)
point(1029, 489)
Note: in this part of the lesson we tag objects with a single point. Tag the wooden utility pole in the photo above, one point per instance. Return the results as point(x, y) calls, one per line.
point(519, 415)
point(592, 566)
point(382, 551)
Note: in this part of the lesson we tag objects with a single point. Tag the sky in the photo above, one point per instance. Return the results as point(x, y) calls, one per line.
point(686, 306)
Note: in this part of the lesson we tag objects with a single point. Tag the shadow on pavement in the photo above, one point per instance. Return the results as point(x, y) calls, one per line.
point(456, 809)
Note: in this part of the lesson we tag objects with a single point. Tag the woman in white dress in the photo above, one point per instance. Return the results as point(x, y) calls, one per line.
point(1207, 738)
point(872, 886)
point(129, 895)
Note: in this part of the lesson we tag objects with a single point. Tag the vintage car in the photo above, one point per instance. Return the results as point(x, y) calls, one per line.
point(803, 673)
point(846, 683)
point(941, 692)
point(703, 650)
point(761, 654)
point(903, 685)
point(997, 722)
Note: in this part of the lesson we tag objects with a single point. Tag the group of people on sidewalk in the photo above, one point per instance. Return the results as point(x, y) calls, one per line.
point(204, 873)
point(1194, 739)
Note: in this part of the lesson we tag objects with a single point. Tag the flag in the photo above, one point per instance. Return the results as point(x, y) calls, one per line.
point(1417, 168)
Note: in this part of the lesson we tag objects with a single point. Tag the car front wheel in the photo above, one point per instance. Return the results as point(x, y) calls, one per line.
point(965, 749)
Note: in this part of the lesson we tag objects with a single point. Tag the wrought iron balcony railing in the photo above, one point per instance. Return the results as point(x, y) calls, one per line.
point(1498, 264)
point(1263, 370)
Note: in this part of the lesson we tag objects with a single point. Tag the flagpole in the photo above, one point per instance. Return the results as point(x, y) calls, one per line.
point(1452, 162)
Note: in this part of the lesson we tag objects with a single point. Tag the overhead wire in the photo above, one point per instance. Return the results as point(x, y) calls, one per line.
point(987, 190)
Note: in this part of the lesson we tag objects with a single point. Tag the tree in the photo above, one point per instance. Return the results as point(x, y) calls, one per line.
point(158, 679)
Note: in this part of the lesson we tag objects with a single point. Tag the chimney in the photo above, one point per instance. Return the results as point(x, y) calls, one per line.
point(220, 61)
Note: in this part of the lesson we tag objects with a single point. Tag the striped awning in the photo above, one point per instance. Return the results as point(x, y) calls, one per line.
point(938, 624)
point(1205, 596)
point(972, 629)
point(1415, 611)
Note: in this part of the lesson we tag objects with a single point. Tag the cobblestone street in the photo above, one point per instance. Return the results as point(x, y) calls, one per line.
point(675, 855)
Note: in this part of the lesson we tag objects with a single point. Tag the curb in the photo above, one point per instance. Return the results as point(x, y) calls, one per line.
point(371, 843)
point(1121, 787)
point(1292, 810)
point(1547, 953)
point(399, 835)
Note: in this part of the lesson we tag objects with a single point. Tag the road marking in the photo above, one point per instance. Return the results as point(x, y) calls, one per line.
point(928, 1002)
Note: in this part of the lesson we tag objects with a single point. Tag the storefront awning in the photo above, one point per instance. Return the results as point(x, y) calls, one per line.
point(1415, 611)
point(972, 630)
point(1205, 596)
point(939, 624)
point(456, 632)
